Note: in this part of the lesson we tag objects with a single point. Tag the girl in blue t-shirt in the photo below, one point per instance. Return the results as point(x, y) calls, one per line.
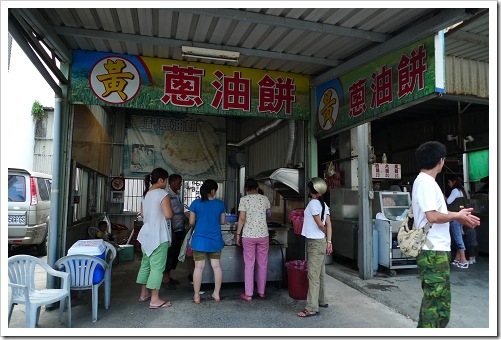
point(207, 214)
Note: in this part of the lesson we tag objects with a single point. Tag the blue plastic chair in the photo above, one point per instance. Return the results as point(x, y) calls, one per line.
point(82, 269)
point(22, 282)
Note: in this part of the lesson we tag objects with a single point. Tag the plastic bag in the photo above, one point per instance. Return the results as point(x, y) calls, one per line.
point(186, 247)
point(301, 265)
point(297, 218)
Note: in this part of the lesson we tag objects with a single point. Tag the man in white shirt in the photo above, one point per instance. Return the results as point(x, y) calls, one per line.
point(428, 205)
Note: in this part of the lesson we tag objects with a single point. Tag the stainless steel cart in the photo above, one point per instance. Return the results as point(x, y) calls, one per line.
point(394, 207)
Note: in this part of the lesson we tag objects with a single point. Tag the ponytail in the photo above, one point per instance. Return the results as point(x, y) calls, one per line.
point(152, 178)
point(206, 188)
point(147, 180)
point(322, 201)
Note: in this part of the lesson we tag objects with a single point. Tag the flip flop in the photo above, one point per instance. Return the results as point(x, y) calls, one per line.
point(325, 305)
point(145, 299)
point(307, 313)
point(166, 304)
point(213, 298)
point(245, 297)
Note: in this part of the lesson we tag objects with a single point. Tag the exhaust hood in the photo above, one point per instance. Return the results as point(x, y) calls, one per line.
point(288, 182)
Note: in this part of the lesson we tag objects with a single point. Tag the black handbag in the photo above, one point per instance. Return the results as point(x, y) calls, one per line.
point(460, 203)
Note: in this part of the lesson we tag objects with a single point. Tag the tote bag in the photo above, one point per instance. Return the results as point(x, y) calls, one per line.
point(185, 247)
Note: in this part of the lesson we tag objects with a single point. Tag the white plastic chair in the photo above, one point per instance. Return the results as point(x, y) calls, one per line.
point(110, 255)
point(92, 231)
point(82, 269)
point(22, 281)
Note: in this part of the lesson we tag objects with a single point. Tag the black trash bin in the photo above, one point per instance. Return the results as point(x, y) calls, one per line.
point(297, 272)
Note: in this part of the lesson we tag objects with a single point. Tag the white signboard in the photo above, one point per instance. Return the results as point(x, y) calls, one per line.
point(386, 171)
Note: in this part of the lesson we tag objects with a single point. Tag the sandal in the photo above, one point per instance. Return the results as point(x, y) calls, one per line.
point(145, 299)
point(213, 298)
point(307, 313)
point(166, 304)
point(325, 305)
point(245, 297)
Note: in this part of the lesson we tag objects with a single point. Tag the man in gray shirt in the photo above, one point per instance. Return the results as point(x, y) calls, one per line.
point(178, 231)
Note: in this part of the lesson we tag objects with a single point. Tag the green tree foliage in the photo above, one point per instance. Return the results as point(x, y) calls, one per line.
point(37, 110)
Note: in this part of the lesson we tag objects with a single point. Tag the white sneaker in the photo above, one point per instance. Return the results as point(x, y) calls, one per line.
point(472, 261)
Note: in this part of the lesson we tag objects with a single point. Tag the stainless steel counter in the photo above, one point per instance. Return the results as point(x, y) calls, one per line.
point(233, 227)
point(232, 262)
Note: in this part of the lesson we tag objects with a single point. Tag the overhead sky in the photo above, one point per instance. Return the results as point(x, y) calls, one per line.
point(22, 84)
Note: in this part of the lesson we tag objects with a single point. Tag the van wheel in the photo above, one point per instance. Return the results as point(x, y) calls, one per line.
point(42, 247)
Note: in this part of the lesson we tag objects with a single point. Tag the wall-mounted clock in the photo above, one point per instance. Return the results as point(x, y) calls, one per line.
point(118, 183)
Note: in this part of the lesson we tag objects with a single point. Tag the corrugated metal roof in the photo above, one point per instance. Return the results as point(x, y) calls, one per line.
point(467, 77)
point(319, 42)
point(470, 39)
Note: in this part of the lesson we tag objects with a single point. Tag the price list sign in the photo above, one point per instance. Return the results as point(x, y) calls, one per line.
point(386, 171)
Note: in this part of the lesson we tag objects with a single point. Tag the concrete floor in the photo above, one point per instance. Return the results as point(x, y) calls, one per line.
point(356, 307)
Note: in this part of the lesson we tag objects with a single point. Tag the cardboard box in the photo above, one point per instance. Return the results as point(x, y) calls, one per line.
point(126, 253)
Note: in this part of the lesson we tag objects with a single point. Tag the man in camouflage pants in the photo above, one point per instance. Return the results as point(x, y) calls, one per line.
point(428, 205)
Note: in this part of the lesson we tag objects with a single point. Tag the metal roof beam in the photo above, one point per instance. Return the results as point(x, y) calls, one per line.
point(142, 39)
point(18, 35)
point(443, 19)
point(35, 19)
point(272, 20)
point(22, 26)
point(470, 37)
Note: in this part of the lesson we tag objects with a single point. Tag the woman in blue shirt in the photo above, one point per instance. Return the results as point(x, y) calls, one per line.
point(207, 214)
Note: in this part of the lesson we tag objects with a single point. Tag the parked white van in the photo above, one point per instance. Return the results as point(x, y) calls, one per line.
point(29, 208)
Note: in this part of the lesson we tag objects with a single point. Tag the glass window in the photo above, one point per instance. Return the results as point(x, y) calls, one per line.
point(191, 191)
point(81, 188)
point(100, 194)
point(133, 194)
point(42, 189)
point(49, 186)
point(17, 188)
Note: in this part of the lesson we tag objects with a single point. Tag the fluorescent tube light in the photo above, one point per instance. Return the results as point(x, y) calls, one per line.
point(206, 53)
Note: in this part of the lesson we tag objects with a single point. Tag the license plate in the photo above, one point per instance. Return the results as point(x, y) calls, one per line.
point(17, 219)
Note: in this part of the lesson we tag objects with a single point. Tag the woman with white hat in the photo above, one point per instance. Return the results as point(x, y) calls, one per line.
point(318, 232)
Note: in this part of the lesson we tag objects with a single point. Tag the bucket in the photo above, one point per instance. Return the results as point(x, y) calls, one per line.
point(297, 271)
point(126, 253)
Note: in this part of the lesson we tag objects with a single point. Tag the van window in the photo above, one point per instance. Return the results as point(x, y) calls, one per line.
point(17, 188)
point(49, 185)
point(42, 189)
